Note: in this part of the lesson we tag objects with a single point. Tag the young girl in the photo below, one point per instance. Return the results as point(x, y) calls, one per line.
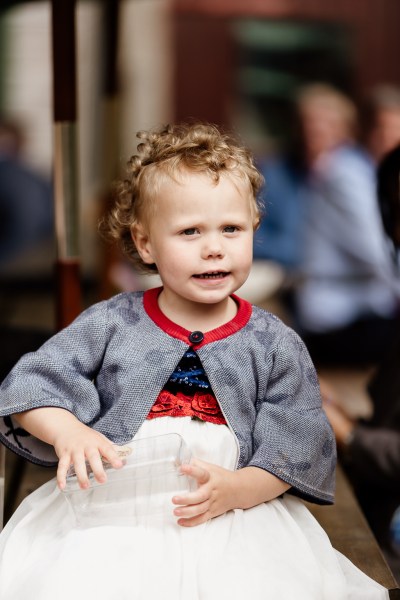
point(190, 358)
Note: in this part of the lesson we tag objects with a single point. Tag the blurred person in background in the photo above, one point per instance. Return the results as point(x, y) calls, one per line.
point(323, 119)
point(347, 301)
point(26, 204)
point(370, 449)
point(381, 121)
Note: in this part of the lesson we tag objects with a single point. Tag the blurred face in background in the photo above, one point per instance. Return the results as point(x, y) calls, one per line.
point(385, 132)
point(324, 125)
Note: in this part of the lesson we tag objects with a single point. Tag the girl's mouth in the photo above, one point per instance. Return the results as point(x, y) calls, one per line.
point(213, 275)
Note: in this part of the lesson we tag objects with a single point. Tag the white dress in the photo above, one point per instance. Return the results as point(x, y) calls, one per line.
point(275, 551)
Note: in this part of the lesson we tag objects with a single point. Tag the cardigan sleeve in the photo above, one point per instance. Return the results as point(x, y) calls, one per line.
point(292, 436)
point(60, 374)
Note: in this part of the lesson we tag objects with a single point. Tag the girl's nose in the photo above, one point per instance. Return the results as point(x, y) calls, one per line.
point(212, 248)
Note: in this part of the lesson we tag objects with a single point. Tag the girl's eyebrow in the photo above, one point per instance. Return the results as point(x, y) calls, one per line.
point(188, 224)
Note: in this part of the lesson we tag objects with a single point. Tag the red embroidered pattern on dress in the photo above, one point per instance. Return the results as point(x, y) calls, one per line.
point(203, 406)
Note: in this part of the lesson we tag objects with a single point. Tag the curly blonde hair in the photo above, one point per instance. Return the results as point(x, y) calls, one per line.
point(168, 154)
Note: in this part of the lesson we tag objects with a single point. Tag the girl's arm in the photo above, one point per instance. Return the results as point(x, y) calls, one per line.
point(220, 490)
point(74, 442)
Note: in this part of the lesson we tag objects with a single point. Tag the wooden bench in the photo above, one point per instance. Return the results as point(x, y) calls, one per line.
point(350, 533)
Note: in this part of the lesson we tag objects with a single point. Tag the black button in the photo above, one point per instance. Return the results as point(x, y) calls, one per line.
point(196, 337)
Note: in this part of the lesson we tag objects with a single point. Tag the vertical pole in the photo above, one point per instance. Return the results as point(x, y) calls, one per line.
point(110, 89)
point(68, 287)
point(110, 35)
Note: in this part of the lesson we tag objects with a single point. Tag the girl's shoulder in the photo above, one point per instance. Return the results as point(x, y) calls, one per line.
point(269, 329)
point(118, 305)
point(261, 318)
point(125, 300)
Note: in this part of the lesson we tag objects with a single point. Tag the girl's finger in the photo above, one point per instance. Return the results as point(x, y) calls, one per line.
point(196, 497)
point(201, 475)
point(194, 521)
point(96, 465)
point(110, 454)
point(192, 510)
point(80, 467)
point(62, 469)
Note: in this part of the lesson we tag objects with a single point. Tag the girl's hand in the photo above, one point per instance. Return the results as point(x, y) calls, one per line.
point(78, 444)
point(213, 497)
point(220, 490)
point(74, 443)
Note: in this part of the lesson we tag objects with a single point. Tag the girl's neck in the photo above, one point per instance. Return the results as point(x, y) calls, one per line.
point(198, 316)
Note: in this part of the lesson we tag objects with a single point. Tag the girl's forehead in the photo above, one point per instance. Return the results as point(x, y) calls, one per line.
point(185, 177)
point(187, 183)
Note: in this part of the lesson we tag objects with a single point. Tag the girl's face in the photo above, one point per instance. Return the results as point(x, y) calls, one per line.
point(200, 238)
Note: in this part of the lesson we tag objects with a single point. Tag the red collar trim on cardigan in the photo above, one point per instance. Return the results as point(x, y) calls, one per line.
point(242, 317)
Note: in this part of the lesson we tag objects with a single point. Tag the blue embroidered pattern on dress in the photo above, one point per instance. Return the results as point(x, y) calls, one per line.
point(188, 376)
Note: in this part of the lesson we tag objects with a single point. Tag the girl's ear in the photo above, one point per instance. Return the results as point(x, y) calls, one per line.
point(142, 243)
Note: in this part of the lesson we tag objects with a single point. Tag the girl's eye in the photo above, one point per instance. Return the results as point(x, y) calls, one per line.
point(230, 229)
point(190, 231)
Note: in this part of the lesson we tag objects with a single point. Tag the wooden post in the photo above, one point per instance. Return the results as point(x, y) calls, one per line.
point(68, 286)
point(111, 110)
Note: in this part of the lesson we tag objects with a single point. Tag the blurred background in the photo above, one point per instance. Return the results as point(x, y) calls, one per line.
point(232, 63)
point(66, 132)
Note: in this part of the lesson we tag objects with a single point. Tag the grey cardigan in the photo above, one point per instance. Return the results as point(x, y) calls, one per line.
point(110, 364)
